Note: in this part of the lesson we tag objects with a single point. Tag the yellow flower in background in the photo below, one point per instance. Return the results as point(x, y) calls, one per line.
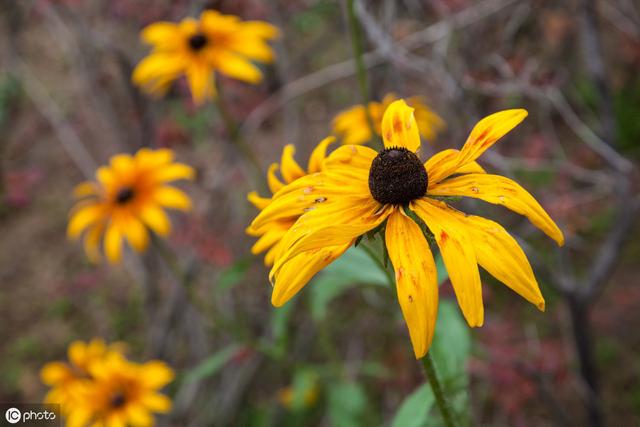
point(66, 378)
point(353, 127)
point(128, 198)
point(361, 189)
point(197, 48)
point(271, 232)
point(100, 387)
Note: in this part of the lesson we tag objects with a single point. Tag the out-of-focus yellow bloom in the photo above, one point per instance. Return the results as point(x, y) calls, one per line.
point(128, 196)
point(287, 398)
point(353, 127)
point(360, 189)
point(196, 48)
point(271, 232)
point(66, 378)
point(100, 387)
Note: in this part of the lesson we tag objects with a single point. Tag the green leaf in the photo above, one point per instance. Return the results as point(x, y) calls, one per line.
point(305, 383)
point(211, 365)
point(451, 343)
point(415, 409)
point(233, 274)
point(353, 268)
point(347, 405)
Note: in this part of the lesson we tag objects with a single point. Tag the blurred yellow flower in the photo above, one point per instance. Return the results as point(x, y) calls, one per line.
point(197, 48)
point(361, 189)
point(100, 387)
point(287, 397)
point(127, 197)
point(353, 127)
point(272, 231)
point(66, 378)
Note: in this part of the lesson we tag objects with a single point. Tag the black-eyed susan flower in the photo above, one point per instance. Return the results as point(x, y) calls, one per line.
point(353, 127)
point(270, 233)
point(128, 198)
point(66, 378)
point(360, 190)
point(99, 386)
point(198, 48)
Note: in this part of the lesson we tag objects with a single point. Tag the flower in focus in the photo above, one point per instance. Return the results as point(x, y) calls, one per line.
point(196, 48)
point(65, 378)
point(271, 232)
point(353, 127)
point(127, 197)
point(108, 389)
point(362, 190)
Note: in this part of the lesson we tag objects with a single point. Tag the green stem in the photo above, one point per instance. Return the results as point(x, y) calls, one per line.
point(390, 276)
point(233, 131)
point(441, 400)
point(361, 71)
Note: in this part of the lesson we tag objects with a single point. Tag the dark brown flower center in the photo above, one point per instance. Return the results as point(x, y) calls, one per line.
point(198, 41)
point(397, 176)
point(118, 400)
point(124, 195)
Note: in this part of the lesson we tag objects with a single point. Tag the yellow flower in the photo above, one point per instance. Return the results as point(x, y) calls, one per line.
point(127, 197)
point(197, 48)
point(362, 189)
point(353, 127)
point(271, 232)
point(66, 378)
point(121, 393)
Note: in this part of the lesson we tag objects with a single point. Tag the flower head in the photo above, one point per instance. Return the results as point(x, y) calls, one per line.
point(272, 231)
point(362, 190)
point(127, 197)
point(66, 378)
point(353, 127)
point(100, 387)
point(196, 48)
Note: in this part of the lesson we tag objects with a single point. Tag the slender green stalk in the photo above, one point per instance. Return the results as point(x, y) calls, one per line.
point(361, 70)
point(233, 131)
point(441, 400)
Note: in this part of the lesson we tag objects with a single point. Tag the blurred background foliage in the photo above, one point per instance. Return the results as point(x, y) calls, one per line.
point(338, 354)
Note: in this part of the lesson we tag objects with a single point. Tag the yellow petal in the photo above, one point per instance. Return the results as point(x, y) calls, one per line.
point(300, 269)
point(332, 224)
point(235, 66)
point(174, 172)
point(200, 78)
point(488, 131)
point(84, 218)
point(273, 235)
point(92, 242)
point(399, 128)
point(138, 415)
point(136, 234)
point(86, 189)
point(501, 191)
point(76, 352)
point(156, 374)
point(352, 157)
point(257, 201)
point(440, 163)
point(155, 73)
point(156, 219)
point(416, 279)
point(458, 255)
point(113, 243)
point(173, 198)
point(163, 34)
point(55, 372)
point(319, 154)
point(499, 254)
point(156, 402)
point(289, 168)
point(272, 180)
